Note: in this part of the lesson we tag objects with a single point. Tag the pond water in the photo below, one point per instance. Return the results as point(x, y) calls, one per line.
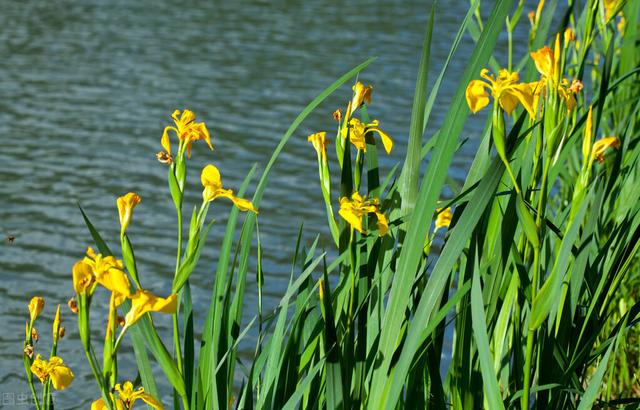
point(87, 88)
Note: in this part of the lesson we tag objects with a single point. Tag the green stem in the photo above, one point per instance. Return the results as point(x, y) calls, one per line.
point(179, 253)
point(530, 336)
point(510, 43)
point(358, 171)
point(176, 339)
point(96, 374)
point(34, 394)
point(534, 284)
point(176, 328)
point(352, 272)
point(45, 395)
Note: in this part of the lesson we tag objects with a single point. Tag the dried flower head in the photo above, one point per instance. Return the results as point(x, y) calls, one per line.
point(73, 305)
point(576, 86)
point(28, 351)
point(164, 157)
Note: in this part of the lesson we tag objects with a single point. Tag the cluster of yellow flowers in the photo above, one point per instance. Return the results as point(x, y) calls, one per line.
point(52, 371)
point(109, 272)
point(105, 270)
point(508, 92)
point(188, 130)
point(355, 207)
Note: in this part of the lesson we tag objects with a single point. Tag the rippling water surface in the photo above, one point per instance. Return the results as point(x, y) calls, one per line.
point(87, 88)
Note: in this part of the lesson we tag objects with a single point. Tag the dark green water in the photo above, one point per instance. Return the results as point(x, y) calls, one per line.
point(87, 88)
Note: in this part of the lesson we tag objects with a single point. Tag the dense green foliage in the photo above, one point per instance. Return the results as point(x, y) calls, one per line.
point(536, 278)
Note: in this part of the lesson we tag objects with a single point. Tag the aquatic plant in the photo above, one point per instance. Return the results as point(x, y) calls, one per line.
point(538, 247)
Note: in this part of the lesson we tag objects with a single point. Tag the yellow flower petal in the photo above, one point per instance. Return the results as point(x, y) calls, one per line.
point(210, 177)
point(517, 94)
point(187, 117)
point(212, 182)
point(116, 281)
point(243, 205)
point(351, 216)
point(387, 142)
point(164, 141)
point(82, 277)
point(610, 6)
point(126, 203)
point(144, 301)
point(477, 95)
point(443, 220)
point(544, 61)
point(36, 304)
point(601, 146)
point(383, 224)
point(61, 375)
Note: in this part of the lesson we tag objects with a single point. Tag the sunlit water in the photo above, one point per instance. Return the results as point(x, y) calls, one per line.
point(87, 88)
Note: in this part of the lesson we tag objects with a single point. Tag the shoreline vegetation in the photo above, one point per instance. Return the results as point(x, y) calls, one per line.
point(537, 277)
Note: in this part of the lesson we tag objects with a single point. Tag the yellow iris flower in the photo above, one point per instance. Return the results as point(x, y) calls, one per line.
point(358, 130)
point(187, 130)
point(144, 301)
point(443, 220)
point(505, 90)
point(54, 370)
point(320, 143)
point(353, 209)
point(36, 304)
point(361, 94)
point(127, 396)
point(212, 183)
point(107, 271)
point(126, 203)
point(601, 146)
point(547, 63)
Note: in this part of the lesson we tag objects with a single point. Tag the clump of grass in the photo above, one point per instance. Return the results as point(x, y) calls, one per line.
point(539, 251)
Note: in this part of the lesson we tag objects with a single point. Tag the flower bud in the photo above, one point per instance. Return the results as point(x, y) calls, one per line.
point(126, 203)
point(35, 307)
